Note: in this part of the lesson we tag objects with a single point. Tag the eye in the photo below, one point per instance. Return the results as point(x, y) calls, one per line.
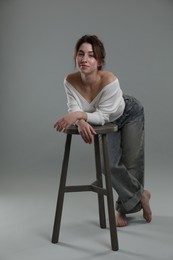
point(91, 54)
point(80, 54)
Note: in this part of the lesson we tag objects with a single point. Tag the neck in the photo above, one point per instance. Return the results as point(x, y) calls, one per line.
point(90, 80)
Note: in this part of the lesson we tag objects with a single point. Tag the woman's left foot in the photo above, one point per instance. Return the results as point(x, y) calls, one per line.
point(147, 213)
point(121, 220)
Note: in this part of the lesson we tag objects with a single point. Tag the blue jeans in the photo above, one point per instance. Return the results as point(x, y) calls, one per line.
point(126, 150)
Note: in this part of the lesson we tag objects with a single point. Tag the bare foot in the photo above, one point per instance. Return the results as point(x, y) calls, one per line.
point(121, 220)
point(147, 214)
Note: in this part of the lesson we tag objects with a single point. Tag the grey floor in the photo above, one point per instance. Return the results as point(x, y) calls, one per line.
point(28, 198)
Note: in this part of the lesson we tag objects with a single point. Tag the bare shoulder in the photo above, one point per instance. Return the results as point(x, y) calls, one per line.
point(107, 77)
point(73, 78)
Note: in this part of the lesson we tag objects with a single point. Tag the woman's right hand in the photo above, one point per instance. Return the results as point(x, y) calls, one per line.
point(86, 131)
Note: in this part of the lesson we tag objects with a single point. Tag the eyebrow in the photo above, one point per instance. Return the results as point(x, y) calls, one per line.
point(83, 51)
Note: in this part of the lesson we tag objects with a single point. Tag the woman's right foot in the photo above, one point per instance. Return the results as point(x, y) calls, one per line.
point(147, 213)
point(121, 220)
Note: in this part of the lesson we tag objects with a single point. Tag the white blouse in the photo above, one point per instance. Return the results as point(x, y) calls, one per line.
point(106, 107)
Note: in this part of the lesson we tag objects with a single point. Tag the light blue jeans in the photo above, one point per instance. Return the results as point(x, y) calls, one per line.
point(126, 151)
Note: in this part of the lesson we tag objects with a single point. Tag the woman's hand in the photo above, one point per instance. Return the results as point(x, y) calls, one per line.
point(66, 121)
point(86, 131)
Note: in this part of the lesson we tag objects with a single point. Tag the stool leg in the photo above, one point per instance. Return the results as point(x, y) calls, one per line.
point(100, 183)
point(111, 212)
point(58, 212)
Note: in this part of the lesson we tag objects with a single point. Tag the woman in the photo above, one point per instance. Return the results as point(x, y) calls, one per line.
point(94, 97)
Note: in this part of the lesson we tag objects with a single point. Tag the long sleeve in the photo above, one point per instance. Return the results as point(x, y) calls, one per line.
point(107, 106)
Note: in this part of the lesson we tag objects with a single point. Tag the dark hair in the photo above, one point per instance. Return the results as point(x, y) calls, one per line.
point(97, 45)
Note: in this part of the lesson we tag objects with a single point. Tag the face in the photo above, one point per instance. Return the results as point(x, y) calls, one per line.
point(85, 59)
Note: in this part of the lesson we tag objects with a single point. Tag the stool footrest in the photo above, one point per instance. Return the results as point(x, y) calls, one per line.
point(78, 188)
point(93, 187)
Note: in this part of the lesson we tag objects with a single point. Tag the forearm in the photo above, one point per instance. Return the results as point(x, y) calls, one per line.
point(80, 122)
point(81, 116)
point(95, 118)
point(71, 118)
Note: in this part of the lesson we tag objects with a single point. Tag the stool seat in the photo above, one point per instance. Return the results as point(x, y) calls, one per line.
point(105, 129)
point(102, 166)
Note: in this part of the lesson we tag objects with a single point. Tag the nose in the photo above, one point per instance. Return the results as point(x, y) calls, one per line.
point(84, 58)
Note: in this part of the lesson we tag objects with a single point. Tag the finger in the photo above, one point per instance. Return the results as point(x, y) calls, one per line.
point(84, 136)
point(90, 139)
point(93, 131)
point(55, 125)
point(87, 136)
point(62, 128)
point(59, 128)
point(84, 139)
point(58, 124)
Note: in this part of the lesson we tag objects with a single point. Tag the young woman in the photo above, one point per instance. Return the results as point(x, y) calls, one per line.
point(94, 97)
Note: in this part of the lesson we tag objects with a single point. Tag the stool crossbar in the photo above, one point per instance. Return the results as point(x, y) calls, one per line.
point(102, 164)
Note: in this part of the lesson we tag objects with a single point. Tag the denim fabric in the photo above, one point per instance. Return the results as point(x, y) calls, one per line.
point(126, 150)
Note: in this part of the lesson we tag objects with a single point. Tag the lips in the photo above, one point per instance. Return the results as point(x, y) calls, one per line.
point(83, 66)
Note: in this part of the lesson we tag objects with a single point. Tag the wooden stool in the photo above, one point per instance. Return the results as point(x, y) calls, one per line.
point(101, 152)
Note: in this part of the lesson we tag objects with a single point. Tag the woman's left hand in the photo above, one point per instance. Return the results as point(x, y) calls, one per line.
point(86, 131)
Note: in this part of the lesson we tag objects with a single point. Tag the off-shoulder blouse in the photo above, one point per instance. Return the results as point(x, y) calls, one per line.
point(106, 107)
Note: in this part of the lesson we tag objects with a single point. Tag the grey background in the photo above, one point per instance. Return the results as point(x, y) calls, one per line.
point(37, 39)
